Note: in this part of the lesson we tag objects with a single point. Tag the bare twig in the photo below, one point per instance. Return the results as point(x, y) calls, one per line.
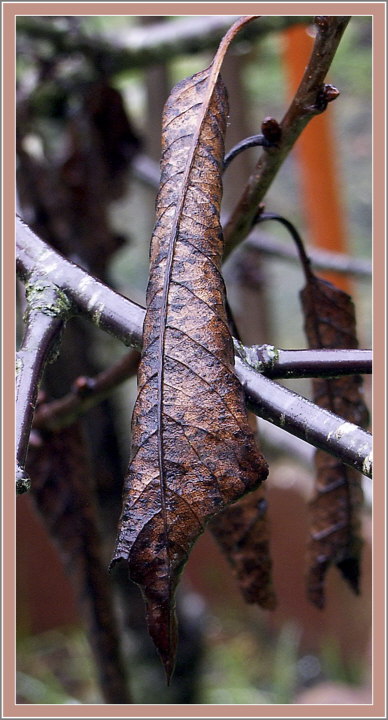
point(310, 100)
point(48, 308)
point(85, 394)
point(276, 363)
point(124, 319)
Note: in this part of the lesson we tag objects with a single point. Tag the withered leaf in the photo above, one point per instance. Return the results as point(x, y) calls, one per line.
point(242, 533)
point(62, 492)
point(192, 449)
point(335, 509)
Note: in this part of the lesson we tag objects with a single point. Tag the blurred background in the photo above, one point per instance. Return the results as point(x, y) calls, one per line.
point(90, 94)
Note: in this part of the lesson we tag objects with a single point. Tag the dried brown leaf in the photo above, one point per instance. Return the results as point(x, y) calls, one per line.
point(62, 492)
point(192, 449)
point(242, 533)
point(335, 509)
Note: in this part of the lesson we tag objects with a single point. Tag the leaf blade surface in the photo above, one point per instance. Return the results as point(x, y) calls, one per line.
point(193, 452)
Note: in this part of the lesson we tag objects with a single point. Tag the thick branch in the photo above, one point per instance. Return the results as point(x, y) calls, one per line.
point(302, 418)
point(124, 319)
point(107, 309)
point(150, 45)
point(276, 363)
point(48, 309)
point(306, 104)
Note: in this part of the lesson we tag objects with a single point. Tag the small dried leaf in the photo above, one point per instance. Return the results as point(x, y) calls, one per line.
point(242, 533)
point(335, 509)
point(193, 451)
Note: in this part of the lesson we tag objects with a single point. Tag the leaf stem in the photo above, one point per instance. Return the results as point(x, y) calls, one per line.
point(304, 258)
point(147, 171)
point(320, 259)
point(249, 142)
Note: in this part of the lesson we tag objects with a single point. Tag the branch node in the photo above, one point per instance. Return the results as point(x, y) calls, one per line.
point(271, 131)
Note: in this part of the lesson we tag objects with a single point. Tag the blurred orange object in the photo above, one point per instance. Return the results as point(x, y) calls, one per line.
point(316, 152)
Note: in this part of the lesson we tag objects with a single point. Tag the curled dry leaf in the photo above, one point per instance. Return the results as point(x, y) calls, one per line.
point(193, 451)
point(242, 532)
point(335, 509)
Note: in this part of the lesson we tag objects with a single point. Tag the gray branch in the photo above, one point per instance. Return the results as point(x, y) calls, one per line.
point(301, 417)
point(124, 319)
point(276, 363)
point(48, 308)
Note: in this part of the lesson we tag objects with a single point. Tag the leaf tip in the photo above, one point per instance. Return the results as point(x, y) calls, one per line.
point(162, 627)
point(350, 570)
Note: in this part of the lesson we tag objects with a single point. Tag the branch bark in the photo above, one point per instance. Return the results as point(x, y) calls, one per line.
point(305, 105)
point(124, 320)
point(107, 309)
point(302, 418)
point(276, 363)
point(48, 308)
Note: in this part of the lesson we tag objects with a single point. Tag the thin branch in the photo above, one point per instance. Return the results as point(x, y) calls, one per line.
point(48, 308)
point(276, 363)
point(294, 413)
point(149, 45)
point(311, 99)
point(85, 394)
point(124, 319)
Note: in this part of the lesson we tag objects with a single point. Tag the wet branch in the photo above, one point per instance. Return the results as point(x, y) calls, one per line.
point(310, 100)
point(124, 319)
point(276, 363)
point(104, 307)
point(47, 311)
point(303, 418)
